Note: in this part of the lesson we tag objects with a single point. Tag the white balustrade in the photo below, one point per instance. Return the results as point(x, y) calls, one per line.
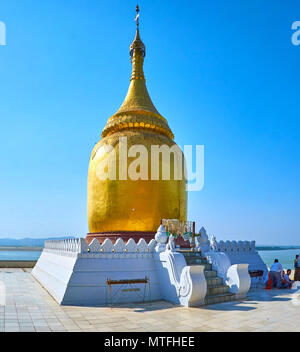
point(79, 245)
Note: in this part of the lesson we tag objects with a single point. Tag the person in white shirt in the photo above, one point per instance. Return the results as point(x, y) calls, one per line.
point(276, 273)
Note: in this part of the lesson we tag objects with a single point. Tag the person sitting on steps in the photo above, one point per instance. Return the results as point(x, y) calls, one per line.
point(286, 281)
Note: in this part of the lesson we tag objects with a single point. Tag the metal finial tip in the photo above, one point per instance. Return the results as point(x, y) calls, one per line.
point(137, 16)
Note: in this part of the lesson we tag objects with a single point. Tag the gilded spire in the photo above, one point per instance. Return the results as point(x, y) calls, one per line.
point(137, 48)
point(137, 110)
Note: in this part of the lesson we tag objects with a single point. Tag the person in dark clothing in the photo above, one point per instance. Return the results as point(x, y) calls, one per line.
point(297, 268)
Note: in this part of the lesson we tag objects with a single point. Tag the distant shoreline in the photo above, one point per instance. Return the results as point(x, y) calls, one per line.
point(38, 248)
point(275, 248)
point(10, 248)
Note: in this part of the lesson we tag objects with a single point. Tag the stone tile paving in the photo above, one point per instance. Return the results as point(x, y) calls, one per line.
point(30, 308)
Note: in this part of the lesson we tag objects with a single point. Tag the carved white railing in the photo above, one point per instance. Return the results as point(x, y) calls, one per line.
point(67, 245)
point(188, 281)
point(235, 276)
point(79, 245)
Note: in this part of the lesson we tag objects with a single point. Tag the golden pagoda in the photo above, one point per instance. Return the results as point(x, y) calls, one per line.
point(123, 207)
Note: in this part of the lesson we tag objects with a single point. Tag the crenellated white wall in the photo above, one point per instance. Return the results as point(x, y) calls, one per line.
point(75, 273)
point(241, 247)
point(241, 252)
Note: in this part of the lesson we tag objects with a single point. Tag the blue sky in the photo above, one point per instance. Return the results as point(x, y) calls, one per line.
point(224, 73)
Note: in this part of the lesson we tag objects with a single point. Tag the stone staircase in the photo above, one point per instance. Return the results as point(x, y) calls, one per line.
point(217, 292)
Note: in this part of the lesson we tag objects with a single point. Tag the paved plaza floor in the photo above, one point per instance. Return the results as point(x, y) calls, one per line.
point(30, 308)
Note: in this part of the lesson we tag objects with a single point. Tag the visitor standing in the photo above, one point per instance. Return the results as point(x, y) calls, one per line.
point(297, 268)
point(276, 273)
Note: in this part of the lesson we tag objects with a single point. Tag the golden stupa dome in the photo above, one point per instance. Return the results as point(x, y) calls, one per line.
point(124, 206)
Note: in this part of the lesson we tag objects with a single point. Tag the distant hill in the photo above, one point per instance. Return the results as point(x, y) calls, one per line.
point(28, 242)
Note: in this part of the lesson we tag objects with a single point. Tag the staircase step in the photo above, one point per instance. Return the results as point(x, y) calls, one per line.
point(198, 257)
point(196, 261)
point(209, 274)
point(191, 254)
point(214, 299)
point(207, 267)
point(215, 281)
point(217, 290)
